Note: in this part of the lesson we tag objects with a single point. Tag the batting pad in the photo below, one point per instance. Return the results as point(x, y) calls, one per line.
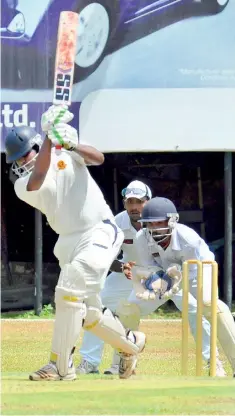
point(105, 325)
point(70, 312)
point(225, 329)
point(129, 314)
point(226, 332)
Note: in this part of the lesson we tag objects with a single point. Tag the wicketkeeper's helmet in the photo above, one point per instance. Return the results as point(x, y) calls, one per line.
point(156, 210)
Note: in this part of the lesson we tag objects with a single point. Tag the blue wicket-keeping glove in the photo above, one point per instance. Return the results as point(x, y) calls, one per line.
point(164, 284)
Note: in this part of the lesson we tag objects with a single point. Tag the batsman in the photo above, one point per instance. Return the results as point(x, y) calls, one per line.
point(163, 245)
point(58, 183)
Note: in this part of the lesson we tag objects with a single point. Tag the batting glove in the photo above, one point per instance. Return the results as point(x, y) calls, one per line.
point(64, 135)
point(55, 114)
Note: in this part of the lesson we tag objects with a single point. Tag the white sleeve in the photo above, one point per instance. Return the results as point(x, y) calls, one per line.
point(37, 199)
point(144, 256)
point(199, 252)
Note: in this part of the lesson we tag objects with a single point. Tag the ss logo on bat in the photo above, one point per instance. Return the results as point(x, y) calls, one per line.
point(63, 85)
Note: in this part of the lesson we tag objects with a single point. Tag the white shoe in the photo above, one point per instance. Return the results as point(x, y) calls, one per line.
point(113, 370)
point(50, 373)
point(220, 371)
point(86, 368)
point(128, 362)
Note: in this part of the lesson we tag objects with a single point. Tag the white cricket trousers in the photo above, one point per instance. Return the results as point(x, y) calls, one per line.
point(93, 252)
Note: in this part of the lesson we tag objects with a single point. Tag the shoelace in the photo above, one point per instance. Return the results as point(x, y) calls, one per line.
point(49, 366)
point(46, 370)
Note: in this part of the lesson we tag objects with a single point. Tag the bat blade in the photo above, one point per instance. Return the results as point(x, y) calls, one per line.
point(65, 57)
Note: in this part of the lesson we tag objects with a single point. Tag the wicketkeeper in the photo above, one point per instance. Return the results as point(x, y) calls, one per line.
point(163, 245)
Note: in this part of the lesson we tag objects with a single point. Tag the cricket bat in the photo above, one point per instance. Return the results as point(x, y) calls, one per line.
point(65, 59)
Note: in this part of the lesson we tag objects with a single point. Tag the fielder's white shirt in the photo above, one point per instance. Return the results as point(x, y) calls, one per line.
point(185, 244)
point(69, 196)
point(129, 243)
point(117, 286)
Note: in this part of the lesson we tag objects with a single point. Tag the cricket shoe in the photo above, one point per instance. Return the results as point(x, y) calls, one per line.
point(50, 373)
point(220, 371)
point(87, 368)
point(113, 370)
point(128, 362)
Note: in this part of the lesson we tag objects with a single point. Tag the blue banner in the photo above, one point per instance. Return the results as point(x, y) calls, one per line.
point(122, 45)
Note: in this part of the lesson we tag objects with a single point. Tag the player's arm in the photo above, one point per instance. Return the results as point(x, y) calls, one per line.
point(126, 268)
point(90, 154)
point(117, 266)
point(198, 251)
point(120, 267)
point(41, 167)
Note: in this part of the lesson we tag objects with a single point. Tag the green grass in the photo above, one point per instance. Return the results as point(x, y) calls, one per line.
point(144, 395)
point(157, 388)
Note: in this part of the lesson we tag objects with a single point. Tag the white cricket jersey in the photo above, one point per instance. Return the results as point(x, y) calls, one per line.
point(129, 243)
point(69, 196)
point(185, 244)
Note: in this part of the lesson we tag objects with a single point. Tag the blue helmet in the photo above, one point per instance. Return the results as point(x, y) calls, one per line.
point(158, 209)
point(19, 142)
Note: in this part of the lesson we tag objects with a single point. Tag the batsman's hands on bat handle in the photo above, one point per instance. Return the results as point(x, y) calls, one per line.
point(55, 115)
point(64, 135)
point(126, 269)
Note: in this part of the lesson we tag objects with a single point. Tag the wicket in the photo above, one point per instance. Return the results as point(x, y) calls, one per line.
point(213, 317)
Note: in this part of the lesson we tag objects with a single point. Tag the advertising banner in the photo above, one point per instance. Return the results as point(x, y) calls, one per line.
point(150, 75)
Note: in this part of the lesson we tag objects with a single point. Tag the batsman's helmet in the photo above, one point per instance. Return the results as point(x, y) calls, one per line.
point(19, 142)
